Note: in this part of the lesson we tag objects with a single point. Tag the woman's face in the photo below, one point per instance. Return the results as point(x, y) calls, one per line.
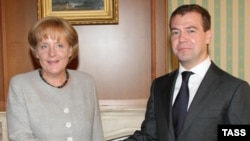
point(53, 54)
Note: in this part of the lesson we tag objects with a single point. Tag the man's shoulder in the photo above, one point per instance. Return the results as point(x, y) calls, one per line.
point(167, 76)
point(225, 75)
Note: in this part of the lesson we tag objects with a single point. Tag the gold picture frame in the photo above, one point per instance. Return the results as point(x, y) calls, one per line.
point(81, 12)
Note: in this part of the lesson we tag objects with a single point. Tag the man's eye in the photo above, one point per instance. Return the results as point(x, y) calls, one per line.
point(174, 32)
point(191, 31)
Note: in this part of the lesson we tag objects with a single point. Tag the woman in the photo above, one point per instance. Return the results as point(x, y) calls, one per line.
point(53, 103)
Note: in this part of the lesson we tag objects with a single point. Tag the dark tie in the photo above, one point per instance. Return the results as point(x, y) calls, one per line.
point(181, 103)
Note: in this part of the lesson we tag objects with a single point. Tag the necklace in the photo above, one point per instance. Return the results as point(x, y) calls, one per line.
point(61, 86)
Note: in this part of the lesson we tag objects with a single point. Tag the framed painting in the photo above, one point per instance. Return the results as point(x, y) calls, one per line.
point(81, 11)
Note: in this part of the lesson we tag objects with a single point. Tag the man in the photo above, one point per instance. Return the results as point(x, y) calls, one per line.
point(215, 97)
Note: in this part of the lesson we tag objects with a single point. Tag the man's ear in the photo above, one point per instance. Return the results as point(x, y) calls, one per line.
point(208, 36)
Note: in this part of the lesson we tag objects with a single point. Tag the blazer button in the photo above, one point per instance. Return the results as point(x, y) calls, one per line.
point(66, 110)
point(69, 139)
point(68, 124)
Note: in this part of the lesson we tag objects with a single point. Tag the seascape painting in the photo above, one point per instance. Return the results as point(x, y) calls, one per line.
point(81, 11)
point(71, 5)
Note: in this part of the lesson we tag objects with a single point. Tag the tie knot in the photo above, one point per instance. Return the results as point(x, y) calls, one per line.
point(186, 75)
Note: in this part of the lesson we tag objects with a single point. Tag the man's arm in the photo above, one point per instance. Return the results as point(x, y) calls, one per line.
point(148, 127)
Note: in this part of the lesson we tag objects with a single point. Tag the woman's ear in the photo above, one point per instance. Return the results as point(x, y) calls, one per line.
point(70, 51)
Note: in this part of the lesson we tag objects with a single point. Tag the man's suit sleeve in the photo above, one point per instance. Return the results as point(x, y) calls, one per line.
point(239, 109)
point(148, 127)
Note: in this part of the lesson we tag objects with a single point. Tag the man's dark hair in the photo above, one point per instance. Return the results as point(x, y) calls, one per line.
point(182, 10)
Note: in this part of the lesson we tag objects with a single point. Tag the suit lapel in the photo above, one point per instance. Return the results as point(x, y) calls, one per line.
point(208, 85)
point(169, 96)
point(164, 105)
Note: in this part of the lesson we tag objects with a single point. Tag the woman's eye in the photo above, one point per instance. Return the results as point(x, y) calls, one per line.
point(60, 46)
point(43, 46)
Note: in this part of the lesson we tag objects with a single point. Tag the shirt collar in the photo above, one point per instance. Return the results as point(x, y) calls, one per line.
point(199, 69)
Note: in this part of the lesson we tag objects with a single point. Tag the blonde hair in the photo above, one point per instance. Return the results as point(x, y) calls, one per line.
point(55, 28)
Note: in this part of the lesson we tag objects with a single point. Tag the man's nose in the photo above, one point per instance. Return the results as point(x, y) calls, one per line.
point(183, 37)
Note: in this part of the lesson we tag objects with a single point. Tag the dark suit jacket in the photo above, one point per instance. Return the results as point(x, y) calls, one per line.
point(220, 99)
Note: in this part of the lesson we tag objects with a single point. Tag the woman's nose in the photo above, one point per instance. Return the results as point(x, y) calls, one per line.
point(52, 51)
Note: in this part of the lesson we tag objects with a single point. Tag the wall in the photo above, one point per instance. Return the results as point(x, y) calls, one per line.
point(16, 18)
point(230, 24)
point(123, 58)
point(1, 60)
point(119, 56)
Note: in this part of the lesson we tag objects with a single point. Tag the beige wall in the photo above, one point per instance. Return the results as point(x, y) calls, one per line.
point(119, 56)
point(123, 58)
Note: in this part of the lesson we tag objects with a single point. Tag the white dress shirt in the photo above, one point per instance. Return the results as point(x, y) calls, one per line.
point(194, 80)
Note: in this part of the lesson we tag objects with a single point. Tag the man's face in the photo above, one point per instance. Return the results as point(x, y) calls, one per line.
point(189, 40)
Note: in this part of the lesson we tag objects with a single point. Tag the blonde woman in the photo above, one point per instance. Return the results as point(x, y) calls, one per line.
point(53, 103)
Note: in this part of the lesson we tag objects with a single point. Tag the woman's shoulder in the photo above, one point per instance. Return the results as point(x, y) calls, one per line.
point(24, 79)
point(80, 74)
point(26, 75)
